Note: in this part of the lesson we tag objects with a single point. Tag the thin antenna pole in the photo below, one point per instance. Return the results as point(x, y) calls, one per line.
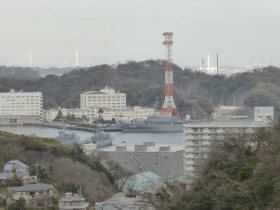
point(217, 63)
point(37, 172)
point(208, 62)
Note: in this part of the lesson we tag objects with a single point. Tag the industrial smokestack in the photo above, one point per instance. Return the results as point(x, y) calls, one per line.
point(208, 62)
point(217, 63)
point(77, 59)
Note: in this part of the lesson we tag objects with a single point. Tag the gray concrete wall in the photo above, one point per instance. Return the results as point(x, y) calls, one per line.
point(164, 163)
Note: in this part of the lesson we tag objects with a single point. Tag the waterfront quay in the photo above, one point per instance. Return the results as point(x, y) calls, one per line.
point(61, 126)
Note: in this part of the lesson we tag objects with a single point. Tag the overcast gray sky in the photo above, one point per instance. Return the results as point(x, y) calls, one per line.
point(112, 31)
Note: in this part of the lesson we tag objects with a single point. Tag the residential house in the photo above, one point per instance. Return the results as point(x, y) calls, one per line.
point(145, 183)
point(15, 166)
point(34, 193)
point(120, 202)
point(73, 202)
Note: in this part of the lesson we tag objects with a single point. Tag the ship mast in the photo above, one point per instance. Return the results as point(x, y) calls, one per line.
point(169, 107)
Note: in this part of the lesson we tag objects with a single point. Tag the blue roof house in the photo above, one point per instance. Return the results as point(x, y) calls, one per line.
point(15, 166)
point(138, 184)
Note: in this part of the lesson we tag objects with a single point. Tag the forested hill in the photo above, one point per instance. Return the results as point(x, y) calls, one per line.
point(196, 93)
point(18, 72)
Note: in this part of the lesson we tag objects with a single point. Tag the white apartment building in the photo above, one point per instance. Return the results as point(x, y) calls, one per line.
point(199, 134)
point(21, 106)
point(105, 98)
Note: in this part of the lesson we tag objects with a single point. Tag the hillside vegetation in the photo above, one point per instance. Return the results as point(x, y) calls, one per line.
point(66, 168)
point(195, 93)
point(242, 172)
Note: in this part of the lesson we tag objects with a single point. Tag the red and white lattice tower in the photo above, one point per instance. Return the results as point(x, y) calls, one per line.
point(169, 107)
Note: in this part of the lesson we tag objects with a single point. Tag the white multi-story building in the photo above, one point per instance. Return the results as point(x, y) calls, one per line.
point(199, 134)
point(105, 98)
point(21, 106)
point(92, 113)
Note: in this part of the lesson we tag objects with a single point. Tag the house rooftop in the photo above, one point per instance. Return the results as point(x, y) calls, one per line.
point(146, 148)
point(120, 198)
point(143, 181)
point(72, 197)
point(17, 162)
point(6, 176)
point(33, 188)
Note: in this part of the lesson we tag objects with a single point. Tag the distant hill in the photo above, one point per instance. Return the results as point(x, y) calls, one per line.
point(195, 93)
point(53, 70)
point(18, 73)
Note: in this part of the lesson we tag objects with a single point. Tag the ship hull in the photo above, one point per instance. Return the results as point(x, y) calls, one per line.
point(104, 143)
point(102, 139)
point(152, 128)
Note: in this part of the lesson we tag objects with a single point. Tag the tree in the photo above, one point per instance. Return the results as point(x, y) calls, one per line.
point(242, 172)
point(15, 182)
point(21, 204)
point(59, 116)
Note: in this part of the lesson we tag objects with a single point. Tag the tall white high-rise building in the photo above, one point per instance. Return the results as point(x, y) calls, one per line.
point(21, 106)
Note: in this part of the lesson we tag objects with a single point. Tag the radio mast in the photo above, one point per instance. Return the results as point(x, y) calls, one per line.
point(169, 107)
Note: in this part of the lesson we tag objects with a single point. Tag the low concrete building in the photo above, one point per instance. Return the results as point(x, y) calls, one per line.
point(91, 113)
point(120, 202)
point(128, 113)
point(164, 160)
point(73, 202)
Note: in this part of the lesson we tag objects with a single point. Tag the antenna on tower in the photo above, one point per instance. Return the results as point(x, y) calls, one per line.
point(169, 107)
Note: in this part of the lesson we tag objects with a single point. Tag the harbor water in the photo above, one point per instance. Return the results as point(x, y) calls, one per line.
point(119, 137)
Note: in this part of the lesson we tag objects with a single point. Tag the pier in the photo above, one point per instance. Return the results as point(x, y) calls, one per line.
point(62, 126)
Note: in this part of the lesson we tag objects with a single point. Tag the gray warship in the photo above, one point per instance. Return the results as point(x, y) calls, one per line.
point(67, 138)
point(100, 138)
point(153, 124)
